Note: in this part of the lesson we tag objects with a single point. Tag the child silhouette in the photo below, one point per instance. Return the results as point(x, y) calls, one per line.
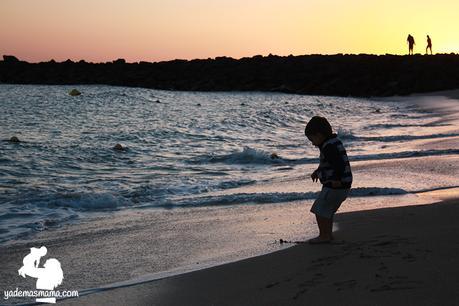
point(32, 260)
point(334, 172)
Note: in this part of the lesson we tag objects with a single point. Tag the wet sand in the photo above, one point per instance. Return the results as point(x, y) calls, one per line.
point(391, 256)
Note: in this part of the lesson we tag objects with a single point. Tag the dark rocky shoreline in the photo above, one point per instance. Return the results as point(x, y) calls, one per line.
point(340, 75)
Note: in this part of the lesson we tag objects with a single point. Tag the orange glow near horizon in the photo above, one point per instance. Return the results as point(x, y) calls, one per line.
point(104, 30)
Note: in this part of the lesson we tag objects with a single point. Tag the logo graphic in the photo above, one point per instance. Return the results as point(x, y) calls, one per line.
point(48, 277)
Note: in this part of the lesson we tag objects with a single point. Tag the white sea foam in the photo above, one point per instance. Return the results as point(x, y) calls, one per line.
point(277, 197)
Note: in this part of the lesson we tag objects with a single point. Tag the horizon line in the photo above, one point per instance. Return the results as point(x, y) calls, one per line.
point(122, 60)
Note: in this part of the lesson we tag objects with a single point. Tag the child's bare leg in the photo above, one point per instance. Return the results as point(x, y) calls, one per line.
point(325, 228)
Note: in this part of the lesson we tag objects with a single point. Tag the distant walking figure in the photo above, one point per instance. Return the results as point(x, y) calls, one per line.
point(411, 43)
point(429, 45)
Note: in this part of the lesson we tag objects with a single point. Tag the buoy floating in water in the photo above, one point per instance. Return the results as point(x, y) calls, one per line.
point(119, 147)
point(74, 92)
point(14, 139)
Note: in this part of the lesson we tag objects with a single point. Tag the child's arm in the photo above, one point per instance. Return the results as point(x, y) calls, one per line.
point(315, 175)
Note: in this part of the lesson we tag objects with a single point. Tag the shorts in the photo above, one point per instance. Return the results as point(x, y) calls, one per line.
point(328, 201)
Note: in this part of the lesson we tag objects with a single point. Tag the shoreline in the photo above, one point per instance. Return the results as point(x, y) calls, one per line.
point(119, 287)
point(380, 254)
point(126, 240)
point(88, 251)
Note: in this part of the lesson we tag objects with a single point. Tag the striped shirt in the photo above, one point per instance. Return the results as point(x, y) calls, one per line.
point(334, 163)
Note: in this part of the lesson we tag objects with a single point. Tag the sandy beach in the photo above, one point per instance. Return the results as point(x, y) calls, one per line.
point(393, 256)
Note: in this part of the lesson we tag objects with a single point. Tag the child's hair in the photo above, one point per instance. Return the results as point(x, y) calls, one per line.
point(318, 125)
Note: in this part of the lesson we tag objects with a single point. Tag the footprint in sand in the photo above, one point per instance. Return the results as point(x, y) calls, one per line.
point(272, 285)
point(306, 285)
point(398, 285)
point(343, 285)
point(409, 257)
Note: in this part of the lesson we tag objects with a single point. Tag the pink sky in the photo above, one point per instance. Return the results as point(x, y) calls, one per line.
point(151, 30)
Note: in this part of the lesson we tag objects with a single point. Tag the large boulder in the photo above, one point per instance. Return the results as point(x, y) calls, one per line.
point(10, 59)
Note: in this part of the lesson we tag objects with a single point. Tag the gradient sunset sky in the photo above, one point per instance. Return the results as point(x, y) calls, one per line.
point(104, 30)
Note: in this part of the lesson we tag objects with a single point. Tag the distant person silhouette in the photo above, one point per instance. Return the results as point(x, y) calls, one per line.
point(411, 44)
point(429, 45)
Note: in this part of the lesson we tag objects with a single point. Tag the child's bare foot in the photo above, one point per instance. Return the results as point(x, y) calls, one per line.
point(320, 240)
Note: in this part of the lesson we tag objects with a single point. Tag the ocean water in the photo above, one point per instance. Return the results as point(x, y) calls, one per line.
point(183, 149)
